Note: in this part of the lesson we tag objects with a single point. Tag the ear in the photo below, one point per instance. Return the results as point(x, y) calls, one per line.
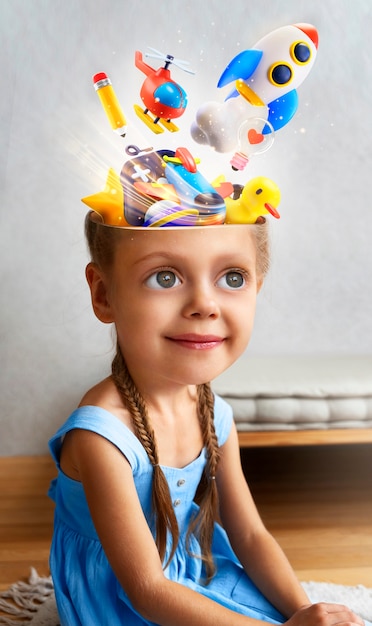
point(99, 293)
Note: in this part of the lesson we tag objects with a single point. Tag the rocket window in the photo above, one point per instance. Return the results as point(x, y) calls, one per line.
point(280, 74)
point(300, 52)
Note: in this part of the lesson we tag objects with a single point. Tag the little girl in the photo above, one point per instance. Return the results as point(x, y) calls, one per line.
point(154, 521)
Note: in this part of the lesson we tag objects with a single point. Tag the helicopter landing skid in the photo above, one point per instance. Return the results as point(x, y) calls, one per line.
point(155, 126)
point(168, 125)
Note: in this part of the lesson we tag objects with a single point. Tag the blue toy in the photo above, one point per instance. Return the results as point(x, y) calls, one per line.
point(265, 80)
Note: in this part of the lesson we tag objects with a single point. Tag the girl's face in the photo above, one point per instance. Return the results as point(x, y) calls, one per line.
point(183, 301)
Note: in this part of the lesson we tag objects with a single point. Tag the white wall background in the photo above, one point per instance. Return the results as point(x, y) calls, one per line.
point(56, 146)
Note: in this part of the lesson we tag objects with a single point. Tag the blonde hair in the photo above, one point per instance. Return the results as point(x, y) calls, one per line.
point(102, 241)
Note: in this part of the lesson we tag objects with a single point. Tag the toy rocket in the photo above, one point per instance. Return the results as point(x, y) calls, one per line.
point(264, 95)
point(272, 70)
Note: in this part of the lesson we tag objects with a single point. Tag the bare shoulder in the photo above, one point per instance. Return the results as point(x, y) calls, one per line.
point(106, 396)
point(102, 394)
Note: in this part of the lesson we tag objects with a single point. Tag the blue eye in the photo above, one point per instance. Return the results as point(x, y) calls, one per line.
point(232, 280)
point(165, 279)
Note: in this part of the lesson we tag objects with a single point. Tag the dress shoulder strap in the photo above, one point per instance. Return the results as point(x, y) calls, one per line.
point(104, 423)
point(223, 419)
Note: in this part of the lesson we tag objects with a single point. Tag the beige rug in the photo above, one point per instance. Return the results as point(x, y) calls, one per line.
point(33, 604)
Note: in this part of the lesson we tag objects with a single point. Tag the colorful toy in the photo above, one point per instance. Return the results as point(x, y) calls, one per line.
point(164, 188)
point(265, 81)
point(110, 103)
point(109, 202)
point(259, 197)
point(161, 95)
point(273, 69)
point(159, 188)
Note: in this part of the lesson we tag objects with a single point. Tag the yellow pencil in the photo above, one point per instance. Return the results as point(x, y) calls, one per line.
point(110, 103)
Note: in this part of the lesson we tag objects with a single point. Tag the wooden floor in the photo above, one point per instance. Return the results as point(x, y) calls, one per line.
point(26, 517)
point(316, 500)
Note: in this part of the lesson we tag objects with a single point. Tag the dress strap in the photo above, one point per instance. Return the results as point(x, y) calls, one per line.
point(105, 424)
point(223, 419)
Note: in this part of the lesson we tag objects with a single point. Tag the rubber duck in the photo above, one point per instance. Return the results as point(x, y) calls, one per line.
point(249, 204)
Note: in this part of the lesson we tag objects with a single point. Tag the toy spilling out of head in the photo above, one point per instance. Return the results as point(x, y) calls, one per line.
point(165, 188)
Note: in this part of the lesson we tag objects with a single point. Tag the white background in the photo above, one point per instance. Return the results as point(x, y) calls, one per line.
point(56, 146)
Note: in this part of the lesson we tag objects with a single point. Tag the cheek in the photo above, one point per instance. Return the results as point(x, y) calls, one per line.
point(244, 306)
point(244, 314)
point(141, 312)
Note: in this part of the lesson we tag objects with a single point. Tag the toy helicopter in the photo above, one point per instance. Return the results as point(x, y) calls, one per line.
point(161, 95)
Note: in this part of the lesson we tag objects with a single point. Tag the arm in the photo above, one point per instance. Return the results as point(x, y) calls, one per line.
point(258, 552)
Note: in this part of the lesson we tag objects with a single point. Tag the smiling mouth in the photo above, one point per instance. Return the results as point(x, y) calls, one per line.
point(197, 342)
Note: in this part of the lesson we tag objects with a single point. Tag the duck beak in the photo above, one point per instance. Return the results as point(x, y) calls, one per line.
point(272, 210)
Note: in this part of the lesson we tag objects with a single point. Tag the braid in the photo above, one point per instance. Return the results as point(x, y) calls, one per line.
point(165, 518)
point(207, 496)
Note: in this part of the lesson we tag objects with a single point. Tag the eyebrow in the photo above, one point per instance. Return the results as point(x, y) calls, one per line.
point(155, 255)
point(228, 258)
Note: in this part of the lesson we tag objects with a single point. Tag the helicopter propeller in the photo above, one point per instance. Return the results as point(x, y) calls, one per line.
point(168, 58)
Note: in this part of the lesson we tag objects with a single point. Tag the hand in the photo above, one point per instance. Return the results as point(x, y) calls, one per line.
point(325, 614)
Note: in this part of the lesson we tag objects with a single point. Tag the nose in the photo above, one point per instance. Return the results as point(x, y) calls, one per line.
point(201, 304)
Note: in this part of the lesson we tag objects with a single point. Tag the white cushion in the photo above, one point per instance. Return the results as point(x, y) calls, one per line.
point(299, 392)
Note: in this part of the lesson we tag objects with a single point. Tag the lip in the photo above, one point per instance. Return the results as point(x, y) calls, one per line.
point(193, 341)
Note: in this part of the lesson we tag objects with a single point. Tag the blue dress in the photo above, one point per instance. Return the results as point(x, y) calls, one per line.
point(87, 590)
